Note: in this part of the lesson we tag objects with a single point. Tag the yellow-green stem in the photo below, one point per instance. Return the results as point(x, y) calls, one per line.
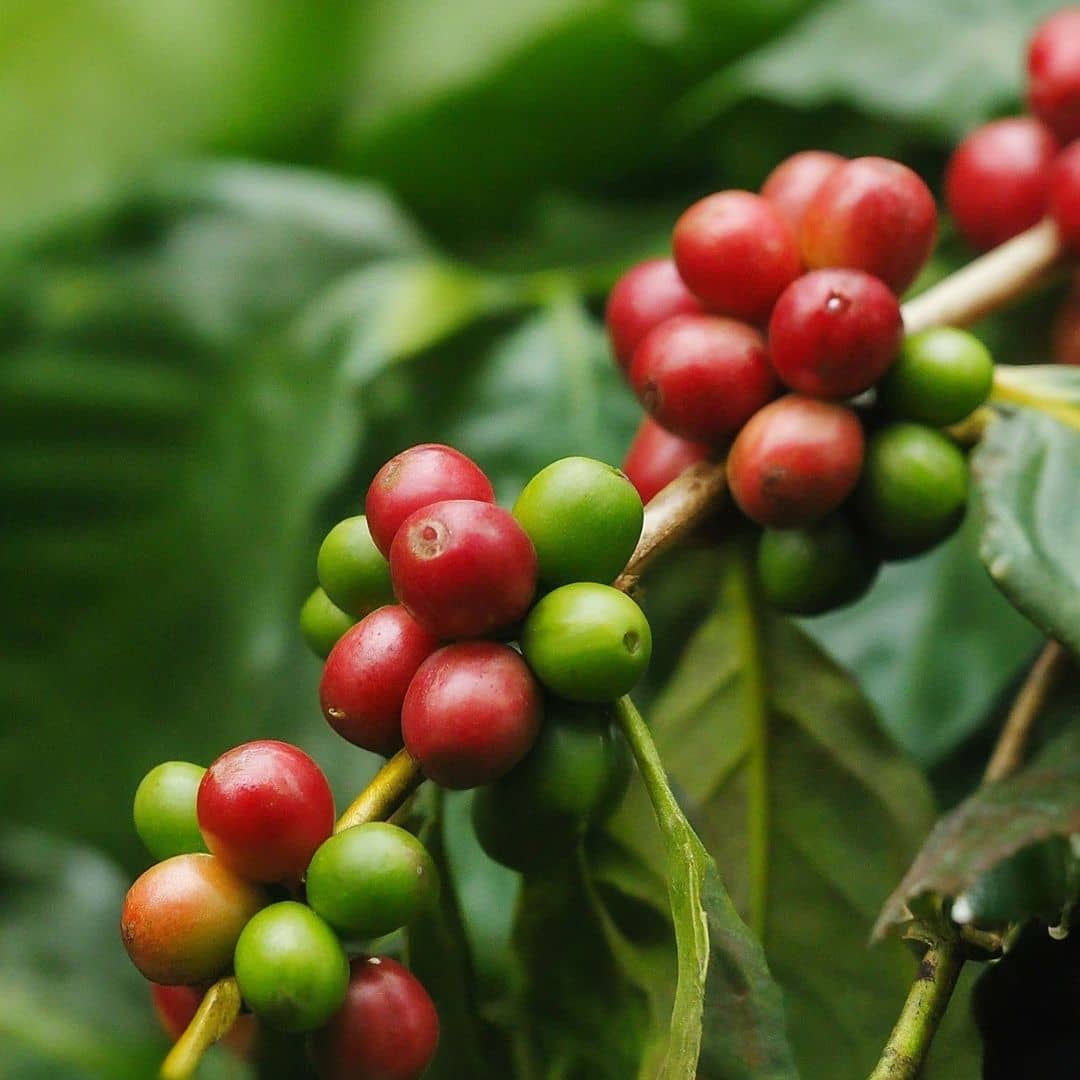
point(388, 789)
point(216, 1014)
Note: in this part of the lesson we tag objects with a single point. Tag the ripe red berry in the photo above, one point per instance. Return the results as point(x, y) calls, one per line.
point(796, 180)
point(415, 478)
point(1054, 73)
point(387, 1028)
point(264, 807)
point(642, 298)
point(702, 376)
point(997, 180)
point(366, 676)
point(834, 333)
point(656, 457)
point(872, 214)
point(736, 252)
point(176, 1007)
point(471, 713)
point(1065, 194)
point(795, 461)
point(463, 568)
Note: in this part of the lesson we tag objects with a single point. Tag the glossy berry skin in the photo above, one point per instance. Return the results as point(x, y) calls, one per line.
point(641, 299)
point(914, 488)
point(164, 810)
point(353, 573)
point(176, 1006)
point(736, 253)
point(291, 968)
point(656, 457)
point(471, 714)
point(463, 568)
point(367, 673)
point(264, 807)
point(997, 180)
point(415, 478)
point(871, 214)
point(817, 569)
point(1064, 199)
point(587, 642)
point(941, 376)
point(795, 462)
point(834, 333)
point(796, 180)
point(322, 623)
point(1054, 73)
point(386, 1029)
point(371, 880)
point(584, 519)
point(702, 376)
point(182, 917)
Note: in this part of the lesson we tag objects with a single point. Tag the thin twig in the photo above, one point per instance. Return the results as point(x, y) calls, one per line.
point(388, 789)
point(213, 1019)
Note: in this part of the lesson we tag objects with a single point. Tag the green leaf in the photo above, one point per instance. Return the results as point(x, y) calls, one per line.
point(1025, 471)
point(997, 821)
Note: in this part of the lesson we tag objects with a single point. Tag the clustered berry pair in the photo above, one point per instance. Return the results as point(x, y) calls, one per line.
point(775, 335)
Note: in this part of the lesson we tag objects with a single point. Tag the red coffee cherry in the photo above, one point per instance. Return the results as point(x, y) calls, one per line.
point(264, 807)
point(796, 180)
point(736, 252)
point(387, 1029)
point(997, 180)
point(366, 676)
point(656, 457)
point(182, 917)
point(415, 478)
point(702, 376)
point(834, 333)
point(1065, 194)
point(1054, 73)
point(471, 713)
point(642, 298)
point(463, 568)
point(176, 1007)
point(795, 461)
point(872, 214)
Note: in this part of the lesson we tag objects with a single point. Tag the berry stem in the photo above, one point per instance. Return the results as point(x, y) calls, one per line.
point(214, 1018)
point(388, 789)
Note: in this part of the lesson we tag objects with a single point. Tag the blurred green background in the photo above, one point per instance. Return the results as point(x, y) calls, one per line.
point(250, 249)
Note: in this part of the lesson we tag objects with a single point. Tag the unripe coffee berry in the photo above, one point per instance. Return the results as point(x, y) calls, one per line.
point(1064, 199)
point(642, 298)
point(796, 180)
point(182, 918)
point(291, 968)
point(1054, 73)
point(463, 568)
point(371, 880)
point(587, 642)
point(795, 462)
point(736, 252)
point(264, 807)
point(164, 811)
point(997, 180)
point(386, 1029)
point(834, 333)
point(352, 570)
point(702, 376)
point(322, 623)
point(415, 478)
point(871, 214)
point(941, 376)
point(367, 673)
point(471, 713)
point(584, 519)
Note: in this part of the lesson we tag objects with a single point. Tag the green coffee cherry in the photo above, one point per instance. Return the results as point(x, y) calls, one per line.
point(164, 809)
point(587, 642)
point(371, 879)
point(939, 377)
point(513, 834)
point(816, 569)
point(584, 519)
point(291, 968)
point(322, 622)
point(352, 570)
point(913, 490)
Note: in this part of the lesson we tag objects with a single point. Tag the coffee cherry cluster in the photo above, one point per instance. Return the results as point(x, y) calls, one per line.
point(775, 335)
point(253, 880)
